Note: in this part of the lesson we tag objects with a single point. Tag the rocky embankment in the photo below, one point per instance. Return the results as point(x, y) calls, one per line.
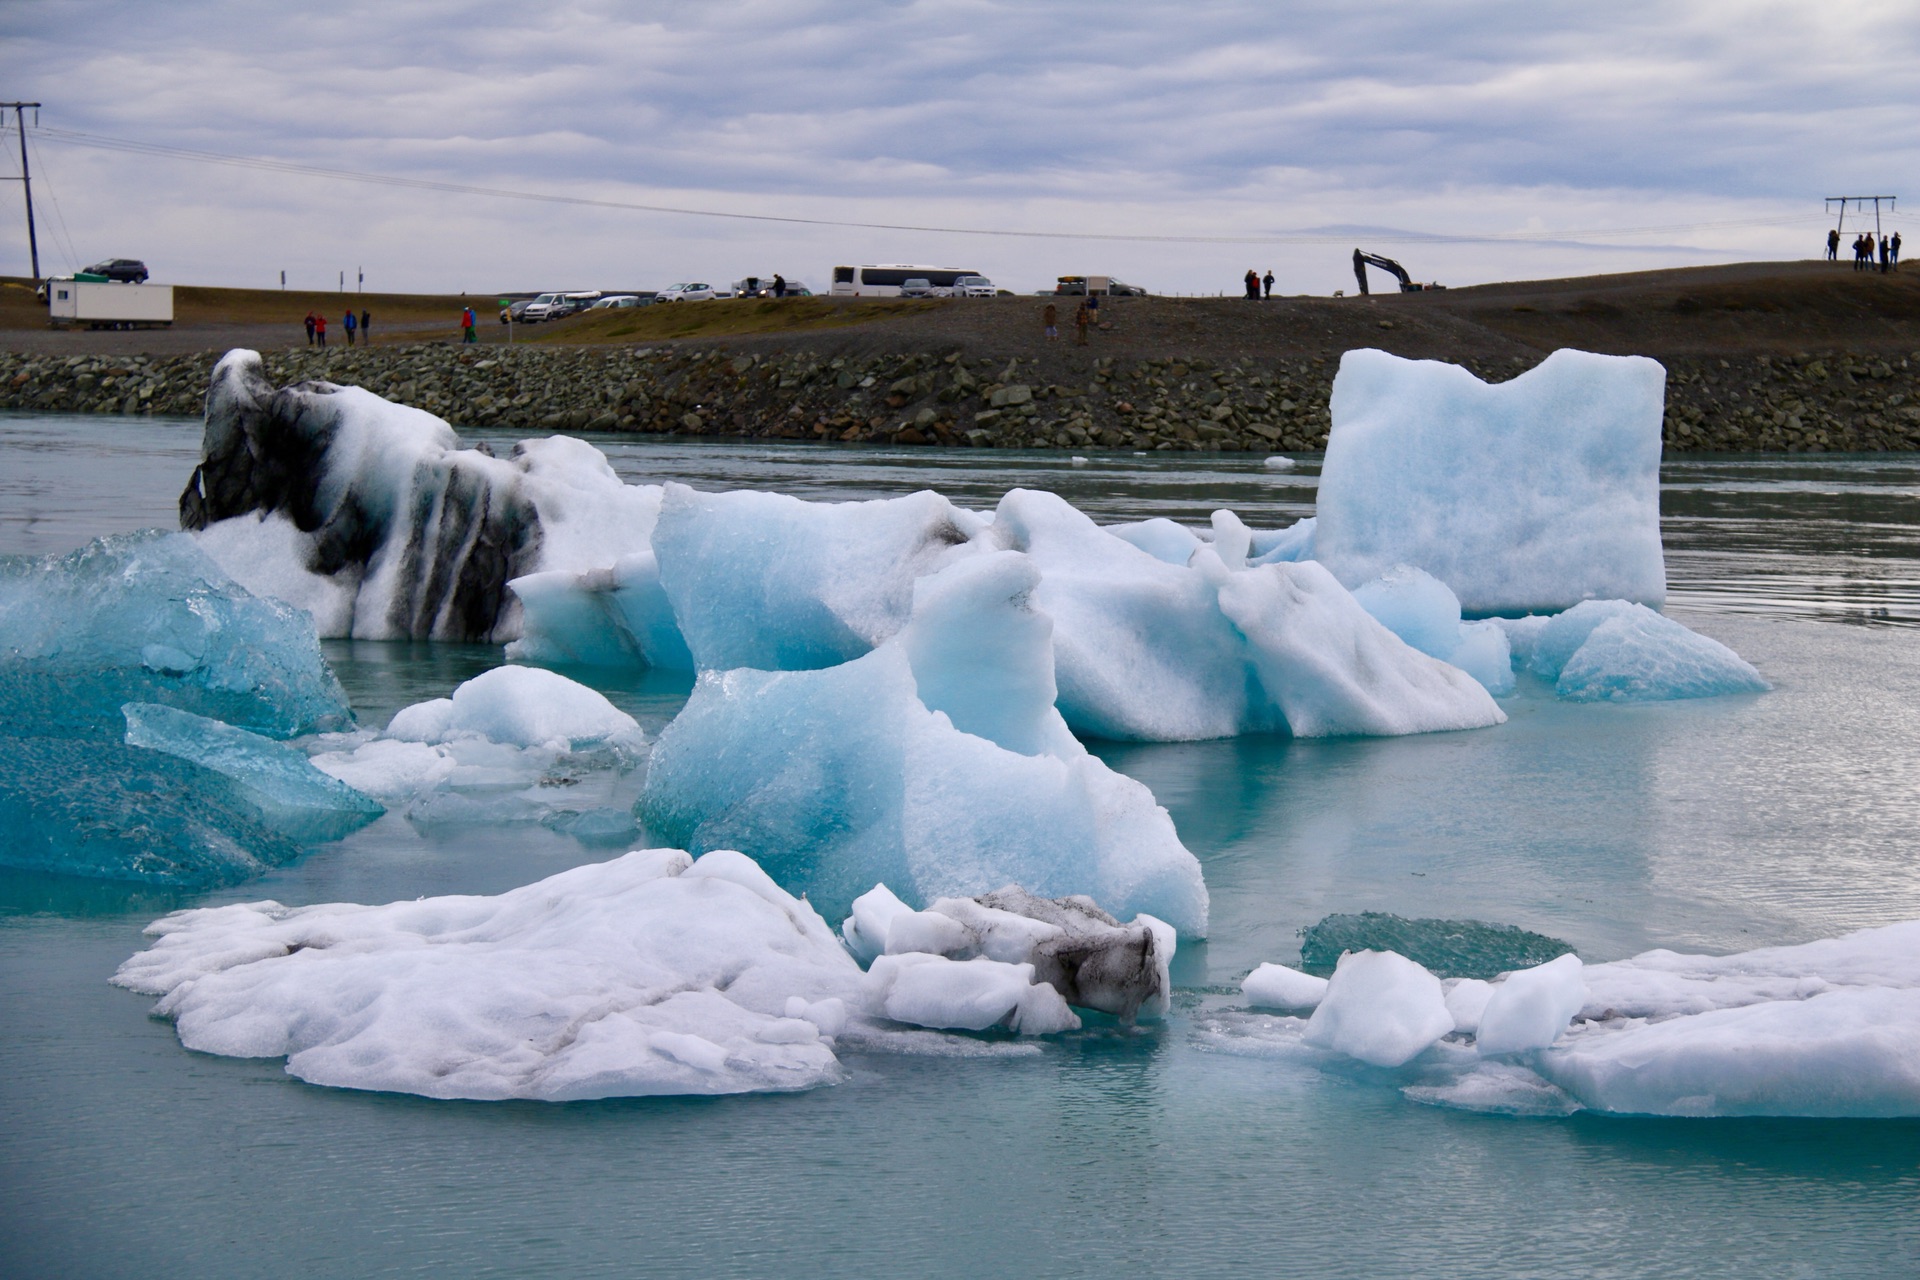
point(1811, 402)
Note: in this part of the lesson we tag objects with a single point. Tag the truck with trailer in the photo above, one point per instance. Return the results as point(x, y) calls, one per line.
point(105, 304)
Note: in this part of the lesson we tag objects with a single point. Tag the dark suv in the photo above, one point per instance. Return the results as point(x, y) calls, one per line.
point(124, 270)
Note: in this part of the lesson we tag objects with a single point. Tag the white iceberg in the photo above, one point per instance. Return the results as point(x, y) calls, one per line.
point(1214, 647)
point(653, 973)
point(649, 974)
point(840, 778)
point(1828, 1028)
point(1528, 1009)
point(1531, 495)
point(1275, 986)
point(1380, 1008)
point(514, 744)
point(1073, 946)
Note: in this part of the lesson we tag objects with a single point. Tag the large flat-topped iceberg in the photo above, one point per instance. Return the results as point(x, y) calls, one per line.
point(1530, 495)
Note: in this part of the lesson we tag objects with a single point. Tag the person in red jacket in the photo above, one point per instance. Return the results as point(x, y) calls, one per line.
point(320, 329)
point(466, 326)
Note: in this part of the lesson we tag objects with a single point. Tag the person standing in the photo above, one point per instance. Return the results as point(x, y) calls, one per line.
point(466, 326)
point(779, 285)
point(350, 324)
point(1895, 257)
point(1885, 249)
point(1049, 321)
point(1267, 280)
point(1093, 310)
point(1080, 325)
point(1833, 245)
point(1253, 285)
point(320, 328)
point(309, 328)
point(366, 326)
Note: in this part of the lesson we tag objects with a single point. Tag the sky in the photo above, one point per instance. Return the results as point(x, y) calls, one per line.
point(1171, 145)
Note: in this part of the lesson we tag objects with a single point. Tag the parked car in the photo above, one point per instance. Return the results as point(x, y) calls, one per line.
point(572, 303)
point(918, 287)
point(972, 287)
point(516, 312)
point(686, 293)
point(619, 302)
point(123, 270)
point(537, 309)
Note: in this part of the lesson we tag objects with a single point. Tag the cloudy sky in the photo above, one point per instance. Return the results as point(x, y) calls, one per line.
point(1174, 145)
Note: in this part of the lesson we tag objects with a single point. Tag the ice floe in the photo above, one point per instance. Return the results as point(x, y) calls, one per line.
point(652, 973)
point(1828, 1028)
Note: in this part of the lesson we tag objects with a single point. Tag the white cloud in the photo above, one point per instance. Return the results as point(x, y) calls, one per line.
point(1224, 119)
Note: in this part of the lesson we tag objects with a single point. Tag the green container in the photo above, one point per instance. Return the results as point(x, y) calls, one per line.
point(88, 277)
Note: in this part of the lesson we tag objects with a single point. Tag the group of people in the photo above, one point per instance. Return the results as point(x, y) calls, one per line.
point(1864, 250)
point(317, 327)
point(1253, 283)
point(1086, 316)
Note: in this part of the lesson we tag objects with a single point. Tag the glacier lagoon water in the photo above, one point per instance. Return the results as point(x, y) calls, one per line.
point(1717, 825)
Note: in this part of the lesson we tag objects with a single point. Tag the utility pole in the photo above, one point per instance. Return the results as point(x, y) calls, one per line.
point(26, 180)
point(360, 286)
point(1860, 203)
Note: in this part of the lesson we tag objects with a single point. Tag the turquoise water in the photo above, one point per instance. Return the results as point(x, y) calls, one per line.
point(1720, 825)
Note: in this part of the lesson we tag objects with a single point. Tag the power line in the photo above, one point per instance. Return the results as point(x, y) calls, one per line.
point(1303, 237)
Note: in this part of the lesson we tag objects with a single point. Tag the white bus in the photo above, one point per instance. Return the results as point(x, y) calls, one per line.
point(885, 281)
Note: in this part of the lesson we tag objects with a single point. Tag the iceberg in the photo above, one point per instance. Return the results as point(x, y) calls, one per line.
point(652, 973)
point(1070, 944)
point(967, 995)
point(512, 745)
point(1527, 496)
point(1528, 1009)
point(208, 674)
point(1145, 649)
point(1827, 1028)
point(1275, 986)
point(1380, 1008)
point(289, 794)
point(149, 618)
point(107, 811)
point(649, 974)
point(768, 581)
point(1615, 651)
point(841, 778)
point(371, 516)
point(1419, 608)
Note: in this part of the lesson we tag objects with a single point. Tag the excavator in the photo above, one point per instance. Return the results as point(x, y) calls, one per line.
point(1362, 260)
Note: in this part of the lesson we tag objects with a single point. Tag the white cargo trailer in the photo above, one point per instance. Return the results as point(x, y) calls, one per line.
point(97, 305)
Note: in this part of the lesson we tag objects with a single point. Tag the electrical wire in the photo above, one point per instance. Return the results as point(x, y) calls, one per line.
point(64, 240)
point(132, 146)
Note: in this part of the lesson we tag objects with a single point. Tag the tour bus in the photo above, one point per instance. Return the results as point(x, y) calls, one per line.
point(885, 281)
